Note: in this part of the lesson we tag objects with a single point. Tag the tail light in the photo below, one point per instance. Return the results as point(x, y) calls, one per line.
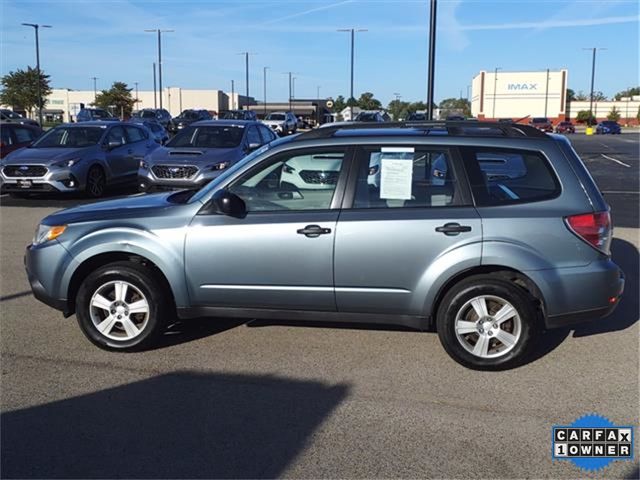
point(593, 228)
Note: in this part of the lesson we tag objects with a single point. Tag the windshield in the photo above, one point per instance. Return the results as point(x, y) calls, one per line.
point(231, 115)
point(275, 116)
point(145, 114)
point(208, 137)
point(10, 114)
point(540, 120)
point(213, 184)
point(366, 117)
point(101, 114)
point(189, 114)
point(70, 137)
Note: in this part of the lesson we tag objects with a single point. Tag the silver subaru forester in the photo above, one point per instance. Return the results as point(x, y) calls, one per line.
point(487, 232)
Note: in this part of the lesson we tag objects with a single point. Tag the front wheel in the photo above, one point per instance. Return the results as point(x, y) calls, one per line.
point(488, 323)
point(121, 306)
point(96, 182)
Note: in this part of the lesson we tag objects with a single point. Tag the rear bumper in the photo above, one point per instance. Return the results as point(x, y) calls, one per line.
point(583, 294)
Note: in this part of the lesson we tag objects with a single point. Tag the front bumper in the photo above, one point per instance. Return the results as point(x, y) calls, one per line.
point(148, 181)
point(57, 179)
point(45, 265)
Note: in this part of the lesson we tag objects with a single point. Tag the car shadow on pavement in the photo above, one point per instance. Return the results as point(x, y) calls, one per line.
point(179, 425)
point(625, 255)
point(184, 331)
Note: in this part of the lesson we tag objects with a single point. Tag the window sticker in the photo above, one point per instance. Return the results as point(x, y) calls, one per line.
point(396, 173)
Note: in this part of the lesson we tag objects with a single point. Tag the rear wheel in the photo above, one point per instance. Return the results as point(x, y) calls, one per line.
point(488, 323)
point(96, 182)
point(121, 306)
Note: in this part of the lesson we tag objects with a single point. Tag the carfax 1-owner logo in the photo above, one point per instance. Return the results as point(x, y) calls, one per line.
point(592, 442)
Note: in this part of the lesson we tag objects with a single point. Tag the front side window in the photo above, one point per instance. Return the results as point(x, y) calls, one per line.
point(293, 181)
point(116, 134)
point(405, 177)
point(208, 137)
point(253, 136)
point(502, 176)
point(135, 134)
point(24, 135)
point(70, 137)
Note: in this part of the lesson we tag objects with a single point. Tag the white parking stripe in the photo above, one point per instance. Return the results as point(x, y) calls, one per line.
point(615, 160)
point(620, 192)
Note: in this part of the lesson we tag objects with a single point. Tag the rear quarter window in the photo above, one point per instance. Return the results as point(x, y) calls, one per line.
point(504, 176)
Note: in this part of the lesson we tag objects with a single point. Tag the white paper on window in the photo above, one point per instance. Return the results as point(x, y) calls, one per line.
point(396, 173)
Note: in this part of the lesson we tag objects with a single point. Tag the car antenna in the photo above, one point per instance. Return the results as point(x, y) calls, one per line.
point(520, 119)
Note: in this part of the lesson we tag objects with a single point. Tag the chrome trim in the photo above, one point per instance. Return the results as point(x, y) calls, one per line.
point(305, 289)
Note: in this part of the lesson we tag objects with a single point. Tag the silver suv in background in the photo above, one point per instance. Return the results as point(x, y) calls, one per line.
point(78, 157)
point(283, 123)
point(199, 153)
point(488, 255)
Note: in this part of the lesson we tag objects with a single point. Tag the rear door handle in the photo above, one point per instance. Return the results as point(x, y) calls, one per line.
point(452, 229)
point(313, 231)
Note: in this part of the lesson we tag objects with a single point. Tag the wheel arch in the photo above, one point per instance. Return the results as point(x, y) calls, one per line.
point(501, 272)
point(92, 263)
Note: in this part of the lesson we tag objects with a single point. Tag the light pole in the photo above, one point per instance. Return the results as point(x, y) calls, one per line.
point(155, 97)
point(36, 27)
point(546, 95)
point(290, 86)
point(495, 84)
point(468, 88)
point(264, 86)
point(353, 33)
point(318, 92)
point(593, 78)
point(159, 32)
point(432, 59)
point(95, 89)
point(293, 87)
point(246, 69)
point(137, 100)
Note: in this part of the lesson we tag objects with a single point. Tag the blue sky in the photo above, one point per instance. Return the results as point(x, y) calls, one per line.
point(106, 39)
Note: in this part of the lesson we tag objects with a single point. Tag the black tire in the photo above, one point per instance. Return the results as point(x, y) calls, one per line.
point(456, 301)
point(140, 278)
point(96, 182)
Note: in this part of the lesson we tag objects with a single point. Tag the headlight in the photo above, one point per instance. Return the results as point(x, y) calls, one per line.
point(44, 233)
point(144, 165)
point(67, 163)
point(219, 166)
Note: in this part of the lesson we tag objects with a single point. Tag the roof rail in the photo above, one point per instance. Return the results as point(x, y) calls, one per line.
point(453, 128)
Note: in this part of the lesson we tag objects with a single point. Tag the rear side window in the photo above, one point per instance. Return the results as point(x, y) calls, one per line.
point(503, 176)
point(405, 177)
point(135, 134)
point(24, 135)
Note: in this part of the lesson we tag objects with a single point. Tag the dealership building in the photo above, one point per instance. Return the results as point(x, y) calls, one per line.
point(517, 95)
point(500, 94)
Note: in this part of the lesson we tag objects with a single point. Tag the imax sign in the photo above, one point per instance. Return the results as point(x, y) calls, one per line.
point(522, 86)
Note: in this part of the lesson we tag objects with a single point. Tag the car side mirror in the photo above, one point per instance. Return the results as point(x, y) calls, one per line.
point(253, 146)
point(229, 204)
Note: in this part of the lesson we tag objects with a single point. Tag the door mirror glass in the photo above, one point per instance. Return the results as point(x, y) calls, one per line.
point(229, 204)
point(113, 144)
point(253, 146)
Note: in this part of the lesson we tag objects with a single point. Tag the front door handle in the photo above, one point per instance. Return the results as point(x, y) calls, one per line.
point(313, 231)
point(452, 229)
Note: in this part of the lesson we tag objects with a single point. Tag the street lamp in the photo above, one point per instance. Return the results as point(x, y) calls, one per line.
point(264, 72)
point(318, 92)
point(36, 27)
point(159, 32)
point(398, 96)
point(155, 97)
point(290, 86)
point(246, 69)
point(293, 87)
point(495, 83)
point(136, 84)
point(95, 89)
point(352, 31)
point(593, 77)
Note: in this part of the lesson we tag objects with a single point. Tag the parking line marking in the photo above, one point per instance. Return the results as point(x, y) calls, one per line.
point(615, 160)
point(621, 192)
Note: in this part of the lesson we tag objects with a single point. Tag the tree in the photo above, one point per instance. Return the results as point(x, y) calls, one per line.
point(585, 116)
point(117, 98)
point(352, 102)
point(571, 95)
point(598, 96)
point(638, 115)
point(629, 92)
point(581, 96)
point(368, 102)
point(455, 106)
point(20, 89)
point(339, 104)
point(614, 115)
point(398, 109)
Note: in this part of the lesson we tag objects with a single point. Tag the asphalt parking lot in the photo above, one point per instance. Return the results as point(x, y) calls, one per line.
point(221, 398)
